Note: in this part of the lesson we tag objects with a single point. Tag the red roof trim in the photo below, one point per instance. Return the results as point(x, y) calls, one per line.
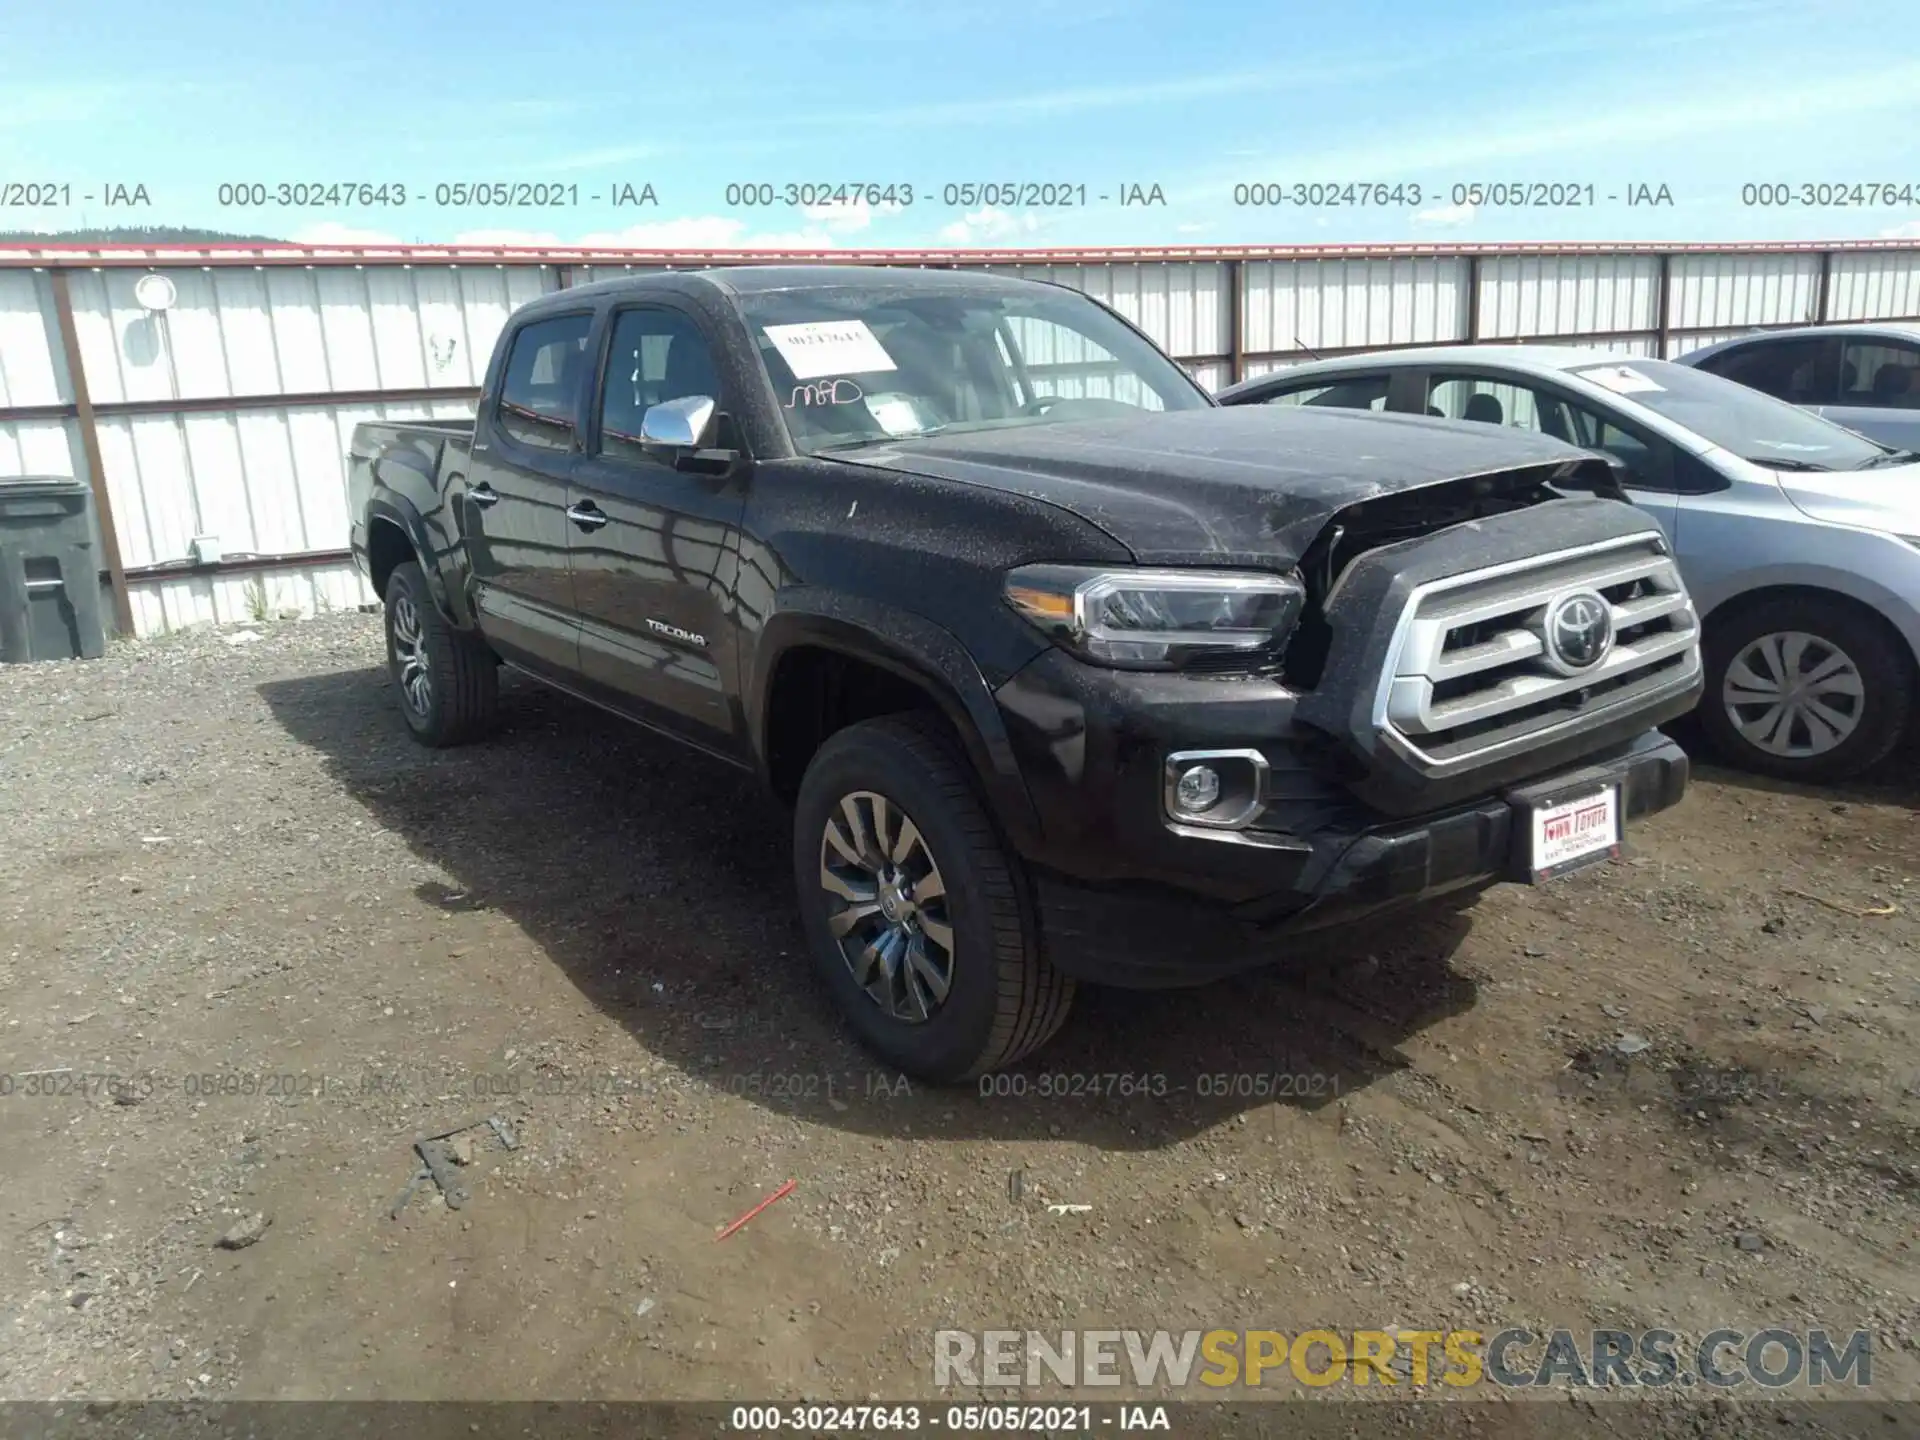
point(14, 254)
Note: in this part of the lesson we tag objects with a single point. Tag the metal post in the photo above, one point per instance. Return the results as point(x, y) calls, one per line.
point(1473, 298)
point(1237, 321)
point(90, 448)
point(1823, 296)
point(1664, 324)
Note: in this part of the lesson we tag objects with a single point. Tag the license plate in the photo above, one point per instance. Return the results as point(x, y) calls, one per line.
point(1575, 833)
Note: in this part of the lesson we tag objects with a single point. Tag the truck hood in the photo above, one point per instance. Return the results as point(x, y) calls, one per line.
point(1244, 485)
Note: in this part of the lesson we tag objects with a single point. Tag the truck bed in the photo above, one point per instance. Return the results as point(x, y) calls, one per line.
point(381, 446)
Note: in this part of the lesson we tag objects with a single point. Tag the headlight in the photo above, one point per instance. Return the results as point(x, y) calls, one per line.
point(1155, 619)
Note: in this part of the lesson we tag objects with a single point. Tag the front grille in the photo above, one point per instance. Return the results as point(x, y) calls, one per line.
point(1474, 671)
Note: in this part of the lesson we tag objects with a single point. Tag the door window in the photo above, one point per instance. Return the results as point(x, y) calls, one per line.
point(542, 380)
point(1881, 374)
point(657, 355)
point(1498, 401)
point(1354, 392)
point(1493, 400)
point(1801, 372)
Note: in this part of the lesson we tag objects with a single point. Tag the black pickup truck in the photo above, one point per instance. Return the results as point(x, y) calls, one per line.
point(1066, 672)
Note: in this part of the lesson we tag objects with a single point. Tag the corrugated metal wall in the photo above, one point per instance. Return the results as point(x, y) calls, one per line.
point(306, 350)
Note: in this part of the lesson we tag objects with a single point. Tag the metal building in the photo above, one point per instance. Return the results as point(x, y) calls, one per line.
point(211, 412)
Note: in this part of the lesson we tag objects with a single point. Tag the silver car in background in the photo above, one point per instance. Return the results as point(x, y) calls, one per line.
point(1799, 540)
point(1864, 376)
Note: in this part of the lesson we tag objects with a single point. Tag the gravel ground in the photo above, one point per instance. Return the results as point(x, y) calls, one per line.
point(1683, 1091)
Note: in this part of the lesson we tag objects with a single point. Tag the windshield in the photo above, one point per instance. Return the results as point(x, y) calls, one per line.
point(1753, 426)
point(853, 366)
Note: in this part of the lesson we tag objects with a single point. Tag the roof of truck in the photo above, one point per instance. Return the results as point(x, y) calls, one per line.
point(761, 279)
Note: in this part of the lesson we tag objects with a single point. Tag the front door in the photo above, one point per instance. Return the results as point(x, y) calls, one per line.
point(512, 510)
point(1879, 391)
point(654, 548)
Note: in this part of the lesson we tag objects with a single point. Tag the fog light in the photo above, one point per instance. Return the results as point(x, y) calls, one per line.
point(1198, 790)
point(1213, 789)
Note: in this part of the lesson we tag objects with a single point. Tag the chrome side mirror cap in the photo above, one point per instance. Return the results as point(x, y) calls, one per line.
point(679, 423)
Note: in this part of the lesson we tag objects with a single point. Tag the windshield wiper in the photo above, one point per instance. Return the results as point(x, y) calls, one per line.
point(862, 444)
point(1774, 462)
point(1891, 457)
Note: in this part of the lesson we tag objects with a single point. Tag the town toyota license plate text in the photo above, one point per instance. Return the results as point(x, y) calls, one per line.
point(1575, 833)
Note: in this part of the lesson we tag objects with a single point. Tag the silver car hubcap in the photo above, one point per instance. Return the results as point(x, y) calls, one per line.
point(1793, 694)
point(887, 906)
point(410, 654)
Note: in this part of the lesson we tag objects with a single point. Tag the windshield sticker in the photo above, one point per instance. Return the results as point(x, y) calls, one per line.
point(829, 347)
point(1621, 379)
point(896, 414)
point(825, 392)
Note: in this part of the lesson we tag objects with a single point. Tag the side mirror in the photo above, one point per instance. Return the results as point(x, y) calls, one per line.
point(679, 423)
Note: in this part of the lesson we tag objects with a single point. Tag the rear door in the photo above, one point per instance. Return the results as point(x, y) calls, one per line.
point(654, 548)
point(1368, 390)
point(512, 510)
point(1879, 390)
point(1496, 397)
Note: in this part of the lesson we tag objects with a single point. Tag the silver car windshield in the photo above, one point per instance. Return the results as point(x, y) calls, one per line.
point(856, 365)
point(1753, 426)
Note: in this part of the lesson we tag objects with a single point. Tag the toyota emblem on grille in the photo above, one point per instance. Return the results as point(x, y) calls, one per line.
point(1579, 631)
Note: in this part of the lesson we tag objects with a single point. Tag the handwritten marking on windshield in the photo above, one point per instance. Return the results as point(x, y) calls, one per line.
point(825, 392)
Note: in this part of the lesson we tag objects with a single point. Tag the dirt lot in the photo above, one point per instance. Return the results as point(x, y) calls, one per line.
point(1681, 1092)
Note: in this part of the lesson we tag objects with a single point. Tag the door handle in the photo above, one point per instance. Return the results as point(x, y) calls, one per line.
point(587, 515)
point(483, 495)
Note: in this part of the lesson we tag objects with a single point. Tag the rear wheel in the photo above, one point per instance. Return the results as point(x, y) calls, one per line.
point(1805, 688)
point(447, 680)
point(914, 907)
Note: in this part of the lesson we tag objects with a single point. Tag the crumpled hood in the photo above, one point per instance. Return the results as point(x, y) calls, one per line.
point(1243, 485)
point(1887, 499)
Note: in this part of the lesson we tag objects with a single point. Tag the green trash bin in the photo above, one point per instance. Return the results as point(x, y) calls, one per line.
point(49, 576)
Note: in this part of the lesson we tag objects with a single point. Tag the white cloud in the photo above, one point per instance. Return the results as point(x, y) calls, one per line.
point(332, 232)
point(1908, 231)
point(1445, 215)
point(850, 218)
point(691, 232)
point(988, 224)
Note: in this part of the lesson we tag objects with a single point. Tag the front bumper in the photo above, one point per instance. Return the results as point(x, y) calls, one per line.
point(1144, 935)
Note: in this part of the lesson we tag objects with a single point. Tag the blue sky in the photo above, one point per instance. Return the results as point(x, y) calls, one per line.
point(1196, 97)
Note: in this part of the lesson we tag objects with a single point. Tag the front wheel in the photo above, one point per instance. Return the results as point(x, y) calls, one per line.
point(914, 907)
point(1805, 689)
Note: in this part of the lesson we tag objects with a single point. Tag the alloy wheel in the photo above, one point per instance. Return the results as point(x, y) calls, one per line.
point(887, 906)
point(410, 652)
point(1793, 694)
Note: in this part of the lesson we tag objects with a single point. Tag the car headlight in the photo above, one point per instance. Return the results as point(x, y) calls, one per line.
point(1156, 619)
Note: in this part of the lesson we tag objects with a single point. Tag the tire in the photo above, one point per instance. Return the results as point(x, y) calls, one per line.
point(1002, 999)
point(447, 680)
point(1864, 704)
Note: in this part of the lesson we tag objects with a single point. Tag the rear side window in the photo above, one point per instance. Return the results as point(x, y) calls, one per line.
point(543, 377)
point(1801, 372)
point(1880, 373)
point(1358, 392)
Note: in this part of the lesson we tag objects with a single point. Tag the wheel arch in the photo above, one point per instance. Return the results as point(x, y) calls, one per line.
point(824, 640)
point(396, 533)
point(1729, 608)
